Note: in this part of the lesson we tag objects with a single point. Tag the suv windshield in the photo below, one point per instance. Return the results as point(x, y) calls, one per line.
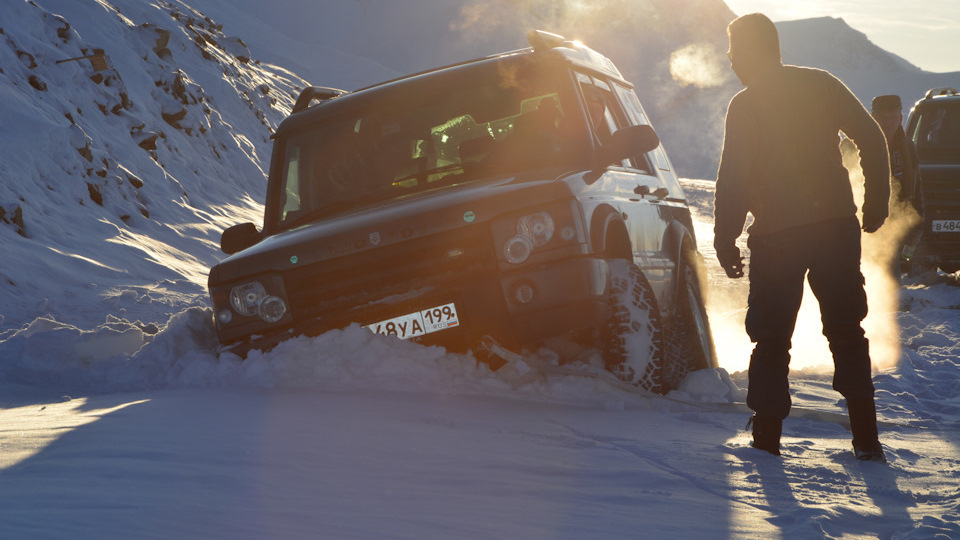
point(494, 118)
point(937, 132)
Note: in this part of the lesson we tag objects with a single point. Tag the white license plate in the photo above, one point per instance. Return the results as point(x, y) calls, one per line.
point(418, 323)
point(945, 225)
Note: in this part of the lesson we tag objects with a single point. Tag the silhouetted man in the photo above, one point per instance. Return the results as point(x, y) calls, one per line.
point(781, 162)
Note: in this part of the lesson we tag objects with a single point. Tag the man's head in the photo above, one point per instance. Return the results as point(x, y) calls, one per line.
point(888, 112)
point(754, 46)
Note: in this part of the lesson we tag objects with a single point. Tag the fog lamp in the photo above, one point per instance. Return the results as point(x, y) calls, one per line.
point(272, 309)
point(524, 293)
point(517, 249)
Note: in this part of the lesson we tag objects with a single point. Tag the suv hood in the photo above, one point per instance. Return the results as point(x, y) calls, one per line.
point(391, 222)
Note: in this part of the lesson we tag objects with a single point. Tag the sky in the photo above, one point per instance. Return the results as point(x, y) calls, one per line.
point(924, 32)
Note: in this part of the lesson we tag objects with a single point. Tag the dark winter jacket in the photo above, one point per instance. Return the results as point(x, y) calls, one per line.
point(905, 170)
point(781, 155)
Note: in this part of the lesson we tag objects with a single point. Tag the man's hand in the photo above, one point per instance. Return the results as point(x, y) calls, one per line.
point(872, 223)
point(731, 261)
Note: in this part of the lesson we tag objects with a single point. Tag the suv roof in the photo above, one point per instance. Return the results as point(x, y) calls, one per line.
point(943, 91)
point(541, 43)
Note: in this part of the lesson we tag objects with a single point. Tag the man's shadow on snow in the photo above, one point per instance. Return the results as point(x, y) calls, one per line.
point(777, 478)
point(883, 490)
point(775, 484)
point(789, 514)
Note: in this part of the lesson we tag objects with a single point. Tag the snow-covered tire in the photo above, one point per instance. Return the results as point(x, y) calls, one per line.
point(689, 340)
point(631, 337)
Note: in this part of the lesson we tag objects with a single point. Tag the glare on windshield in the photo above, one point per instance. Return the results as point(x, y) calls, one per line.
point(450, 138)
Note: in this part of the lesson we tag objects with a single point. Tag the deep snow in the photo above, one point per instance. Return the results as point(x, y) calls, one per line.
point(117, 420)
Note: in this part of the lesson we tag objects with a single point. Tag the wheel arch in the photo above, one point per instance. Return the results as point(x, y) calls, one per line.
point(609, 236)
point(680, 247)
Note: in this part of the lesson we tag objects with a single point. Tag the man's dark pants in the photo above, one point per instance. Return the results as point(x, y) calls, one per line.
point(828, 254)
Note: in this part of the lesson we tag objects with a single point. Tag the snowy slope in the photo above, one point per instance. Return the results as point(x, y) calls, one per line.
point(129, 174)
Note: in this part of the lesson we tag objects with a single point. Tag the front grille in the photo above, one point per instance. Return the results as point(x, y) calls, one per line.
point(330, 289)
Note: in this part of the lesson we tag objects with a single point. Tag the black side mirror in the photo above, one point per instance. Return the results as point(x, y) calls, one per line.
point(238, 238)
point(628, 142)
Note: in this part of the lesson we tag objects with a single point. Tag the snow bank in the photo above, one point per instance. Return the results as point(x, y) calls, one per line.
point(129, 356)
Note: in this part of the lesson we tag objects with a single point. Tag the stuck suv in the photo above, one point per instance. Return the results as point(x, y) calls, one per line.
point(934, 127)
point(522, 198)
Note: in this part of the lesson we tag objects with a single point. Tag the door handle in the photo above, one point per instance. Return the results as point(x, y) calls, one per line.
point(644, 190)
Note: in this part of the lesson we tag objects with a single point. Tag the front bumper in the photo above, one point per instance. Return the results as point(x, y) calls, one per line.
point(520, 308)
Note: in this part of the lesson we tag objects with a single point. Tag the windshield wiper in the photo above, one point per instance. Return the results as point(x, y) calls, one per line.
point(328, 210)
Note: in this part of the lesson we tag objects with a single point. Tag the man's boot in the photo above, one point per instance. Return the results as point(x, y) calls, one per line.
point(863, 425)
point(766, 433)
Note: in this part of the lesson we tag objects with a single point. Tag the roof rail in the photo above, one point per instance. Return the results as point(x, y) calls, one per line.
point(311, 93)
point(941, 91)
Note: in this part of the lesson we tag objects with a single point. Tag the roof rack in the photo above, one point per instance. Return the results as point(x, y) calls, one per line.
point(311, 93)
point(542, 40)
point(941, 91)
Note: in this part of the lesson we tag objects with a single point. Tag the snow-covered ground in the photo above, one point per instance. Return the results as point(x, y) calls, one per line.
point(117, 420)
point(353, 435)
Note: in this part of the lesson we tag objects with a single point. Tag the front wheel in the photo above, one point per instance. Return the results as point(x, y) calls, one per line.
point(631, 337)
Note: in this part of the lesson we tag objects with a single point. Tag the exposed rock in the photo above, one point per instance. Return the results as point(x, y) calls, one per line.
point(86, 152)
point(174, 118)
point(27, 59)
point(95, 194)
point(37, 83)
point(13, 215)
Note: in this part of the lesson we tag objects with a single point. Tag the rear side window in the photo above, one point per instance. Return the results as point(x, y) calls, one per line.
point(639, 118)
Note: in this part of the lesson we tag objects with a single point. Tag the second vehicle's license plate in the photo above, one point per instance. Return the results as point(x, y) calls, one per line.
point(418, 323)
point(945, 225)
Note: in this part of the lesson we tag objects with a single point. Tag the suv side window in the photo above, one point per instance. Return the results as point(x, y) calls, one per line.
point(659, 158)
point(613, 116)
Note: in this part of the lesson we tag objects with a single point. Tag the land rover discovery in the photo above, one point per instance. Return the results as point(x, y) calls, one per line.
point(522, 197)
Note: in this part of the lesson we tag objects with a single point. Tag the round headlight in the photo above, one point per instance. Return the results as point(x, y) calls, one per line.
point(538, 227)
point(225, 316)
point(246, 298)
point(272, 309)
point(517, 249)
